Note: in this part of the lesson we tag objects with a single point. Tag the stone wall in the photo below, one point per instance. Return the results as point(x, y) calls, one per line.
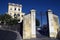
point(27, 27)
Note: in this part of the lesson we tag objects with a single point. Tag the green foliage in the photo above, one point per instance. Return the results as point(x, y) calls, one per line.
point(7, 19)
point(12, 22)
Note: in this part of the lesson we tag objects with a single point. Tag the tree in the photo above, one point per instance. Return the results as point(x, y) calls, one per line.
point(45, 30)
point(12, 22)
point(7, 19)
point(1, 18)
point(37, 22)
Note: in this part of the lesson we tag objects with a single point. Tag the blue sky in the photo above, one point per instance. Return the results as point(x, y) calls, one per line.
point(38, 5)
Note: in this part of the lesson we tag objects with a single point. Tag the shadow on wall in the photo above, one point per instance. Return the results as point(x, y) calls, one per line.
point(58, 35)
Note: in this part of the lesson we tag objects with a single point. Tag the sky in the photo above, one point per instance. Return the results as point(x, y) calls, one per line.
point(38, 5)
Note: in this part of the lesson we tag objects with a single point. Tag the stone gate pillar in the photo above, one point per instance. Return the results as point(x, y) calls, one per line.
point(33, 23)
point(29, 25)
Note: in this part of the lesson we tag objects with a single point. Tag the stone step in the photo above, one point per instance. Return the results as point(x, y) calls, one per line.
point(41, 39)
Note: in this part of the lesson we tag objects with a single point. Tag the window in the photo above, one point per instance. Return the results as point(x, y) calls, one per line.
point(22, 15)
point(10, 8)
point(18, 14)
point(15, 9)
point(14, 15)
point(18, 9)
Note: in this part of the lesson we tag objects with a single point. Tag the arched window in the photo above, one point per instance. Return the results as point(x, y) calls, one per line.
point(15, 9)
point(18, 9)
point(18, 14)
point(15, 15)
point(10, 8)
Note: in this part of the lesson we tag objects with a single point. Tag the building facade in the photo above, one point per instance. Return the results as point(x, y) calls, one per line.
point(15, 10)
